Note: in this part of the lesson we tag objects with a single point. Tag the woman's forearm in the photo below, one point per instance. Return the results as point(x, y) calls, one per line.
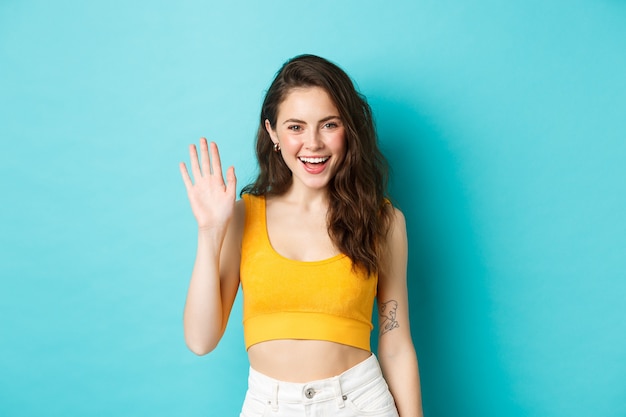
point(203, 315)
point(402, 375)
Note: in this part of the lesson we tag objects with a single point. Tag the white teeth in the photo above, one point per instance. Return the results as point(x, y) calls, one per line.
point(314, 160)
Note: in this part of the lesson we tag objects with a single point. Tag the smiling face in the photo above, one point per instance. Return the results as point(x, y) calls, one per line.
point(311, 136)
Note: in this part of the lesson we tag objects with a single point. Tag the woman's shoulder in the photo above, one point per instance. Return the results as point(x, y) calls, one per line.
point(394, 214)
point(238, 220)
point(250, 200)
point(248, 203)
point(249, 197)
point(397, 214)
point(397, 222)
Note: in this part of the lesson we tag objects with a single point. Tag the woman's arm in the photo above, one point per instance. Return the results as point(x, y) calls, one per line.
point(215, 277)
point(395, 347)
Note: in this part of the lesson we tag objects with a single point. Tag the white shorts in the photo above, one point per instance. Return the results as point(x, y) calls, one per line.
point(359, 391)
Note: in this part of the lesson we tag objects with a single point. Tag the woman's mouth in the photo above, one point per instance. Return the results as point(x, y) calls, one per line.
point(314, 165)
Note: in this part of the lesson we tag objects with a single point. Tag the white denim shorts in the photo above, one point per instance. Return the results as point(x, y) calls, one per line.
point(359, 391)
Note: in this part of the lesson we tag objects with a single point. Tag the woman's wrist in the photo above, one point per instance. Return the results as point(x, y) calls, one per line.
point(211, 236)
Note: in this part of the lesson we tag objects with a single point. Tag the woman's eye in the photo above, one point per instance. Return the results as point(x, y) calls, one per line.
point(330, 125)
point(295, 128)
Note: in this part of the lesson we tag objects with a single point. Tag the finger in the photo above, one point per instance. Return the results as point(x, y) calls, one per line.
point(216, 163)
point(185, 174)
point(231, 182)
point(195, 167)
point(204, 157)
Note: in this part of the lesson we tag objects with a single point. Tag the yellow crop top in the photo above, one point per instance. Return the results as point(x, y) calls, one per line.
point(288, 299)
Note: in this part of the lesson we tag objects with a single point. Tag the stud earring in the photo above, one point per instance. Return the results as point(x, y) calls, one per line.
point(276, 147)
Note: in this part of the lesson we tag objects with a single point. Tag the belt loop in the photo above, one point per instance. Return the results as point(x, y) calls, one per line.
point(275, 398)
point(338, 393)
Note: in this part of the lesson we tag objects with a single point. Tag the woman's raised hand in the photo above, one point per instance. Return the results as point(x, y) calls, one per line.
point(212, 200)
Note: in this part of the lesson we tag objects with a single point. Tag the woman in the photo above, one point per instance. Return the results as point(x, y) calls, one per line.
point(312, 241)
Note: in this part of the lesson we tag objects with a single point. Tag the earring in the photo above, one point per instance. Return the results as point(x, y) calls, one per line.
point(276, 147)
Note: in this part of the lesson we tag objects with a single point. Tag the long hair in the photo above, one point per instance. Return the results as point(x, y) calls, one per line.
point(358, 214)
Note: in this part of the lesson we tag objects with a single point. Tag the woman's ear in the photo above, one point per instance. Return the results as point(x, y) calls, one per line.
point(270, 131)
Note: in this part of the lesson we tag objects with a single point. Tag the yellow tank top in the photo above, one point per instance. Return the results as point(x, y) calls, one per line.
point(288, 299)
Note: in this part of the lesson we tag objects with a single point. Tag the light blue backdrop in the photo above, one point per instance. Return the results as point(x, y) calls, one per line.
point(505, 125)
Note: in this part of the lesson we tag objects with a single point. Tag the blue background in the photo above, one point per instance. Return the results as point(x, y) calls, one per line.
point(505, 125)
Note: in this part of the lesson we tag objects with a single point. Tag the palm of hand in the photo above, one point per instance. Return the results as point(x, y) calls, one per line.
point(212, 200)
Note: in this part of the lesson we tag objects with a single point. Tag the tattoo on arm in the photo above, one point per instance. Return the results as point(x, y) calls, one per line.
point(387, 312)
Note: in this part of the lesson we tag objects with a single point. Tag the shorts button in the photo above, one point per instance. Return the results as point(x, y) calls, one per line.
point(309, 393)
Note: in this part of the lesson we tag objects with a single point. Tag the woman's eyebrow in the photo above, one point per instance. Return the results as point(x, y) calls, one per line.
point(294, 121)
point(325, 119)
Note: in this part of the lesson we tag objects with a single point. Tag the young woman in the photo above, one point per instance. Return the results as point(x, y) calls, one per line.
point(312, 241)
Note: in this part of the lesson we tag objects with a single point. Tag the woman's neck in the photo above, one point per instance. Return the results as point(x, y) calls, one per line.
point(306, 199)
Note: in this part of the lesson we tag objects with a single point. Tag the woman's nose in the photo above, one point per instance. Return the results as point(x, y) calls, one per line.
point(313, 141)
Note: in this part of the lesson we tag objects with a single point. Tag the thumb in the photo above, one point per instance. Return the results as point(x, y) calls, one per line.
point(231, 180)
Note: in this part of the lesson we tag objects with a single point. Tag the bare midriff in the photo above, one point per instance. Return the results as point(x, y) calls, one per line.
point(303, 360)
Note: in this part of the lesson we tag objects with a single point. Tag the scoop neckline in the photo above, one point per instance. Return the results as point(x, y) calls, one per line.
point(268, 242)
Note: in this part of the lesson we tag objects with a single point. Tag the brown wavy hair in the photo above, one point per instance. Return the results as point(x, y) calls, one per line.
point(359, 212)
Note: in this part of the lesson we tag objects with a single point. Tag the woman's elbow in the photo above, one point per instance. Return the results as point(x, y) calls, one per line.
point(200, 348)
point(200, 338)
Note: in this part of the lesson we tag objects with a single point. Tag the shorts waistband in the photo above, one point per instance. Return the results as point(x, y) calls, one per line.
point(338, 387)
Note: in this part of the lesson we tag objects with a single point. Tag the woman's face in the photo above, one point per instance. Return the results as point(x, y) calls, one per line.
point(311, 136)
